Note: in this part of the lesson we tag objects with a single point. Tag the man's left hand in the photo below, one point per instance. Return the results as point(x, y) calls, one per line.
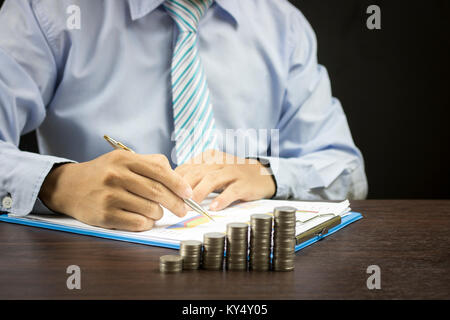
point(234, 178)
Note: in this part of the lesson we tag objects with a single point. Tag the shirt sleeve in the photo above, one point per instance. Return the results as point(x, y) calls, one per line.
point(27, 80)
point(315, 157)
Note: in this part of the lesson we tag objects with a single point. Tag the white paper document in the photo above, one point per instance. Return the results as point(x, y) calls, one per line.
point(172, 229)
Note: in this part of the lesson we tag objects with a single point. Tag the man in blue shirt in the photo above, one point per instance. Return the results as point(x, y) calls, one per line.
point(153, 74)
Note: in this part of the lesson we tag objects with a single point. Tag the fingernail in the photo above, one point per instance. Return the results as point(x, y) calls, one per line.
point(188, 193)
point(213, 206)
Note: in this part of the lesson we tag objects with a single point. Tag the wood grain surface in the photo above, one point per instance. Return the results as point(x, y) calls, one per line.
point(408, 240)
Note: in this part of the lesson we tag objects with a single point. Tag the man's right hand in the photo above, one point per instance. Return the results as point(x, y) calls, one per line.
point(118, 190)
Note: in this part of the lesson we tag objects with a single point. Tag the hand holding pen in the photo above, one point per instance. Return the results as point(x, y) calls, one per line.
point(191, 203)
point(118, 190)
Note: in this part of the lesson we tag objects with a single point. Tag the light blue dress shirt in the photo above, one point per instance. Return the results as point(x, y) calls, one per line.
point(112, 76)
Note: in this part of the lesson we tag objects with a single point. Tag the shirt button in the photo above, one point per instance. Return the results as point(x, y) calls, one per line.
point(7, 202)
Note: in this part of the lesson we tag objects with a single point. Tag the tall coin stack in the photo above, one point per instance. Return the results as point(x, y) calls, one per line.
point(237, 246)
point(260, 242)
point(284, 239)
point(170, 263)
point(213, 249)
point(191, 252)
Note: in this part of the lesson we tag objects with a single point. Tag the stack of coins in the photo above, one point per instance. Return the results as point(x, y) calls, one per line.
point(260, 242)
point(191, 252)
point(170, 263)
point(284, 239)
point(237, 246)
point(213, 247)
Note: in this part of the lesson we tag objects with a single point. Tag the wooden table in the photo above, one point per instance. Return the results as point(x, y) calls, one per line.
point(408, 240)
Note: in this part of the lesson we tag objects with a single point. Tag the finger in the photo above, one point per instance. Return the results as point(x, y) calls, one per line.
point(210, 157)
point(131, 202)
point(232, 193)
point(196, 174)
point(153, 191)
point(212, 181)
point(127, 221)
point(157, 167)
point(183, 169)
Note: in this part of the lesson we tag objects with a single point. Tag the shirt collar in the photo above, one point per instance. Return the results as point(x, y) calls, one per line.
point(140, 8)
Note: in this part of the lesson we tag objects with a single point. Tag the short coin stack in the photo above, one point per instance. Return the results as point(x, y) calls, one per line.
point(260, 242)
point(191, 252)
point(170, 263)
point(213, 249)
point(284, 239)
point(237, 246)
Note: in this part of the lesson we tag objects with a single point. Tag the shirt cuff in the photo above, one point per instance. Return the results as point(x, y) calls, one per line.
point(300, 179)
point(293, 181)
point(280, 176)
point(23, 175)
point(282, 187)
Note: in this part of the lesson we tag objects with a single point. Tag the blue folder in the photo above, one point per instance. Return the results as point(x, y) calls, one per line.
point(352, 217)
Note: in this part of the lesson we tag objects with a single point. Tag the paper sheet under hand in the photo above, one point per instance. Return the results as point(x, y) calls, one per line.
point(172, 229)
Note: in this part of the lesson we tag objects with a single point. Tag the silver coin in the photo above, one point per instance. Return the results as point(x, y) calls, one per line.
point(171, 259)
point(284, 210)
point(191, 244)
point(237, 226)
point(213, 237)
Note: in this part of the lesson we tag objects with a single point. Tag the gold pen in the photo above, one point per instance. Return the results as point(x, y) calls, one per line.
point(191, 203)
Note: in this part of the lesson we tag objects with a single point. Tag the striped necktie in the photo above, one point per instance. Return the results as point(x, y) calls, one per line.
point(192, 109)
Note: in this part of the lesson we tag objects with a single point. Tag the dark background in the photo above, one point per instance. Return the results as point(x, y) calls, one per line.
point(393, 84)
